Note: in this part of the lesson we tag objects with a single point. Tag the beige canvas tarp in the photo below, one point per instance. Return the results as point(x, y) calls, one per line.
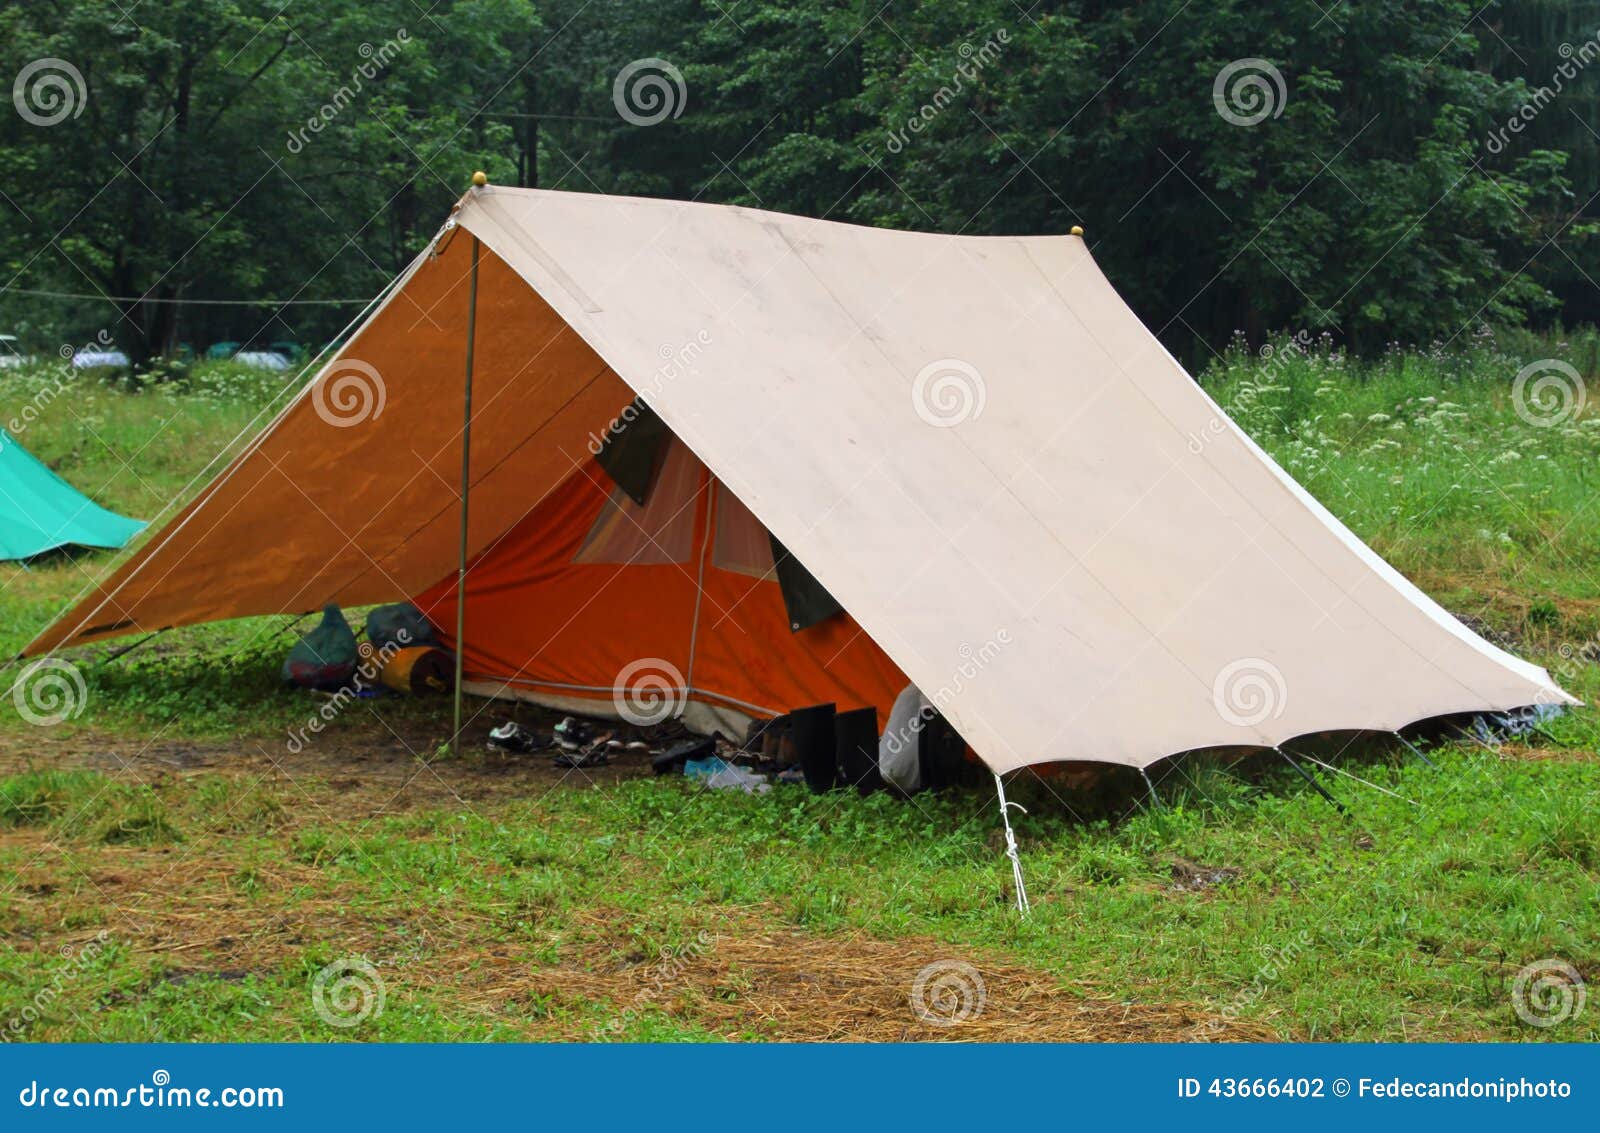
point(971, 442)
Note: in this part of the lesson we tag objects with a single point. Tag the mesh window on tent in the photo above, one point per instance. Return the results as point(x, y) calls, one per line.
point(659, 531)
point(741, 544)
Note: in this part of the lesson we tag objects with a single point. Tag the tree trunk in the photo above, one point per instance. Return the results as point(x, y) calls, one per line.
point(528, 160)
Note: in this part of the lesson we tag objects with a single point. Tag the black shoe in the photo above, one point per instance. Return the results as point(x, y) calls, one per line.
point(513, 737)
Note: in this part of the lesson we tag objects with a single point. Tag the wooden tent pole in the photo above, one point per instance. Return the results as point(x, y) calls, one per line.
point(466, 474)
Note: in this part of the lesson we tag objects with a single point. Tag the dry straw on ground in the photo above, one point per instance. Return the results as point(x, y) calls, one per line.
point(748, 983)
point(201, 908)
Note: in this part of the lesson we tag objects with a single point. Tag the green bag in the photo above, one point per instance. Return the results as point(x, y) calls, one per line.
point(326, 657)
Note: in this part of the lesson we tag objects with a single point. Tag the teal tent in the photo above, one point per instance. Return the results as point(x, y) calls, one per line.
point(40, 511)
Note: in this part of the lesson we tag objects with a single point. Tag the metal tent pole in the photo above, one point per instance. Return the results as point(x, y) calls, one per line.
point(466, 474)
point(1309, 778)
point(1416, 751)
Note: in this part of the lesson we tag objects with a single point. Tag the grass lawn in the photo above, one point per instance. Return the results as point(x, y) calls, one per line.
point(168, 869)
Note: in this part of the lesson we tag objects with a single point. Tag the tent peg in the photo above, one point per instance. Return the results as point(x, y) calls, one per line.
point(1416, 751)
point(1154, 798)
point(1309, 778)
point(1545, 732)
point(1011, 844)
point(126, 649)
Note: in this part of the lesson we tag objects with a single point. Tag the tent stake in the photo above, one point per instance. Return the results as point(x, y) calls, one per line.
point(1011, 844)
point(1416, 751)
point(126, 649)
point(1154, 798)
point(466, 474)
point(1309, 778)
point(1540, 728)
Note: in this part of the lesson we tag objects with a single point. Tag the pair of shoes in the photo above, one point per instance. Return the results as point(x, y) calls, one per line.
point(513, 737)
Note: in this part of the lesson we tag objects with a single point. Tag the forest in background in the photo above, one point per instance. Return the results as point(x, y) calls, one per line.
point(1382, 172)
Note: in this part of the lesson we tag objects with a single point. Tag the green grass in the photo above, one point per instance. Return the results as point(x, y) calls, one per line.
point(1410, 919)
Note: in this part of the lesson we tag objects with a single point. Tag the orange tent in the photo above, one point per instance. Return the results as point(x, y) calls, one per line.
point(595, 597)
